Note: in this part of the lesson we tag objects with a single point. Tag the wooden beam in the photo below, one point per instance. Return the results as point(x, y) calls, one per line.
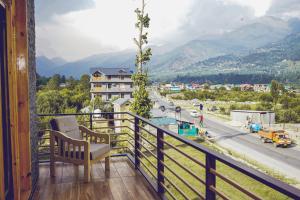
point(13, 104)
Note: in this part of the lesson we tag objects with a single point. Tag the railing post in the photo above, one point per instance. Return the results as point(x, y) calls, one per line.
point(160, 158)
point(136, 142)
point(91, 121)
point(210, 177)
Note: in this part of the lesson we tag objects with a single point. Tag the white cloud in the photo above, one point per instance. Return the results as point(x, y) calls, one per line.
point(260, 7)
point(108, 25)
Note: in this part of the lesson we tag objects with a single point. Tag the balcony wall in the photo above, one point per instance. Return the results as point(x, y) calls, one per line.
point(32, 92)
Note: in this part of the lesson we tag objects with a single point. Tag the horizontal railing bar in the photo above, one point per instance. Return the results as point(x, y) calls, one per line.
point(130, 150)
point(234, 184)
point(125, 140)
point(185, 154)
point(223, 196)
point(182, 180)
point(144, 156)
point(131, 136)
point(44, 146)
point(155, 156)
point(130, 143)
point(117, 134)
point(168, 191)
point(185, 168)
point(148, 141)
point(118, 147)
point(146, 167)
point(178, 189)
point(141, 127)
point(83, 114)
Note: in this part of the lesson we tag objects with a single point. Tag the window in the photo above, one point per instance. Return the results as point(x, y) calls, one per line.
point(122, 77)
point(97, 74)
point(109, 86)
point(108, 77)
point(109, 96)
point(122, 95)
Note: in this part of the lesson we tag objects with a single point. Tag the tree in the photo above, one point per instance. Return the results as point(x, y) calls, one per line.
point(54, 82)
point(50, 102)
point(141, 104)
point(276, 88)
point(84, 83)
point(71, 83)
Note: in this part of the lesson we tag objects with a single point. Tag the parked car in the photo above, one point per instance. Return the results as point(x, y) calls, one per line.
point(194, 113)
point(171, 103)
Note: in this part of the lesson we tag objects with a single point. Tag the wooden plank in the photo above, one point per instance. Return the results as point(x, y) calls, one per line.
point(135, 188)
point(118, 189)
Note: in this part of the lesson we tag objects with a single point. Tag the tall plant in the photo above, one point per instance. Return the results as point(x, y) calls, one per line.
point(141, 104)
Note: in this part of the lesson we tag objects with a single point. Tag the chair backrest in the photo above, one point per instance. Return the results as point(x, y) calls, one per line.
point(67, 125)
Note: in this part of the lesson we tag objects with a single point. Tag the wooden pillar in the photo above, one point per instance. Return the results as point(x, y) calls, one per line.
point(23, 93)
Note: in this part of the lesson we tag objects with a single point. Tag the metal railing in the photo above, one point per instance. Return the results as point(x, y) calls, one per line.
point(176, 167)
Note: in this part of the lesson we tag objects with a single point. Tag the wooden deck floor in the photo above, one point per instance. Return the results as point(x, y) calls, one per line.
point(122, 182)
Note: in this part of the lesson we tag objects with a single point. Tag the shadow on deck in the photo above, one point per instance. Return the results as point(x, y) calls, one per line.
point(122, 182)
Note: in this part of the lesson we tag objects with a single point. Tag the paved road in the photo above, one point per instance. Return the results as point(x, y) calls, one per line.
point(284, 160)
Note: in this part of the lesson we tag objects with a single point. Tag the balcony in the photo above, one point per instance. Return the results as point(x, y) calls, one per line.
point(112, 80)
point(150, 162)
point(111, 90)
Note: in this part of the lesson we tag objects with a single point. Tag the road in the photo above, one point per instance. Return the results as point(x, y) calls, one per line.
point(284, 160)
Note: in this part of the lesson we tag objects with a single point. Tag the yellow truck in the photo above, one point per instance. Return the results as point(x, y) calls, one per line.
point(278, 138)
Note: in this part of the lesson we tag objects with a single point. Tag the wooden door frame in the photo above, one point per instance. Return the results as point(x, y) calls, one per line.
point(17, 62)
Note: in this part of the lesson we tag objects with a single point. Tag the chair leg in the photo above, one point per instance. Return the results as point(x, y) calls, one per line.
point(107, 163)
point(52, 168)
point(87, 172)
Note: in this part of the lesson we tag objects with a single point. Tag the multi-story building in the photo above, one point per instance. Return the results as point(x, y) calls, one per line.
point(108, 83)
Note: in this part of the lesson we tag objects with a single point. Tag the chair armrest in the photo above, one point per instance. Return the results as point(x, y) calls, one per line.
point(65, 142)
point(103, 137)
point(65, 138)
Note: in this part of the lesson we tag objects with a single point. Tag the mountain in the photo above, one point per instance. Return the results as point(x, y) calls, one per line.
point(77, 68)
point(45, 66)
point(225, 53)
point(273, 60)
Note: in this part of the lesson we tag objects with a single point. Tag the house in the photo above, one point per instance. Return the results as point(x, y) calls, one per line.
point(109, 83)
point(246, 87)
point(121, 105)
point(261, 88)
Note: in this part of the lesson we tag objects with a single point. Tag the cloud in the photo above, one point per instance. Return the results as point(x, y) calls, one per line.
point(46, 9)
point(213, 17)
point(285, 8)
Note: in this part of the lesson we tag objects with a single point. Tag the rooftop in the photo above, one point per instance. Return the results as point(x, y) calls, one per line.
point(112, 71)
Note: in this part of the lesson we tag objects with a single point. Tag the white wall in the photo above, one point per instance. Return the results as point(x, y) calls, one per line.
point(241, 117)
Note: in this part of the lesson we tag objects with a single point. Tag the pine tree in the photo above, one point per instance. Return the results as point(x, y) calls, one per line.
point(141, 104)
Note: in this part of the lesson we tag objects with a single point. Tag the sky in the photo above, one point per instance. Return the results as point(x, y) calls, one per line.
point(75, 29)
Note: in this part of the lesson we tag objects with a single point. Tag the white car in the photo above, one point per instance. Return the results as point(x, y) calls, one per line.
point(194, 113)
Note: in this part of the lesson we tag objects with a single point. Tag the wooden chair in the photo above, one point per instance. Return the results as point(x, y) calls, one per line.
point(76, 144)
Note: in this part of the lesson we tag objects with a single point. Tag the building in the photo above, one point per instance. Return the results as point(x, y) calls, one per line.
point(246, 87)
point(261, 88)
point(109, 83)
point(242, 117)
point(121, 105)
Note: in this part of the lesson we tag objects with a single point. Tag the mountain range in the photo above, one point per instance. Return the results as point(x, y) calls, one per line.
point(261, 46)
